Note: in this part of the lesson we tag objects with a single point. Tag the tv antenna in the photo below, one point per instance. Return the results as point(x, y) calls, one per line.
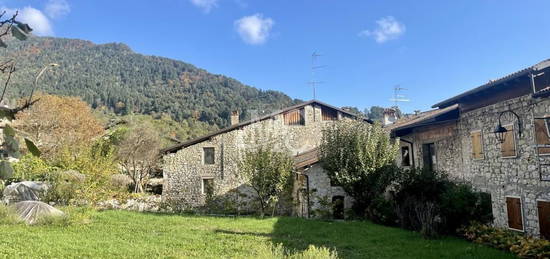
point(314, 67)
point(397, 96)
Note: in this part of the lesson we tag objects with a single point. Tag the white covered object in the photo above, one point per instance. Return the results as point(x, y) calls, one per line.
point(33, 211)
point(24, 191)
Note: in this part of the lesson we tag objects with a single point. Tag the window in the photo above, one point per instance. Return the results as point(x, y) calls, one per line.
point(294, 117)
point(542, 135)
point(544, 219)
point(405, 156)
point(508, 148)
point(542, 81)
point(515, 216)
point(329, 114)
point(208, 155)
point(428, 156)
point(207, 186)
point(477, 145)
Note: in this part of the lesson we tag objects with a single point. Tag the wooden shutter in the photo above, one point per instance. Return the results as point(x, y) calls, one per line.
point(477, 145)
point(542, 135)
point(329, 114)
point(508, 148)
point(294, 117)
point(544, 219)
point(513, 207)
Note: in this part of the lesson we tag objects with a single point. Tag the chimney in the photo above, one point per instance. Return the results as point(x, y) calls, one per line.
point(390, 116)
point(234, 118)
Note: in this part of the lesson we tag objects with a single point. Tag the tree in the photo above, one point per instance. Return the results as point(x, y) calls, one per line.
point(268, 172)
point(358, 156)
point(138, 153)
point(56, 122)
point(19, 31)
point(376, 113)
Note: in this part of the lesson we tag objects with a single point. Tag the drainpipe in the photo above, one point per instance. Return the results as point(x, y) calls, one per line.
point(221, 159)
point(412, 150)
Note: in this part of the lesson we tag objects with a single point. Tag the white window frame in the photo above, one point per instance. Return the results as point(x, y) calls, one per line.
point(515, 143)
point(521, 210)
point(482, 146)
point(203, 192)
point(409, 146)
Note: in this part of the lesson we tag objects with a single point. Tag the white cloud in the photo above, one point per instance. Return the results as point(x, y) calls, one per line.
point(57, 8)
point(205, 5)
point(388, 29)
point(254, 29)
point(35, 18)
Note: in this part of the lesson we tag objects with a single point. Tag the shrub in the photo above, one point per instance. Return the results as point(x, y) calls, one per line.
point(460, 205)
point(8, 216)
point(526, 247)
point(32, 168)
point(60, 221)
point(427, 201)
point(382, 211)
point(325, 208)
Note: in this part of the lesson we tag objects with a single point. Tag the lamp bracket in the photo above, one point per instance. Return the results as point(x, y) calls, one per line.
point(517, 117)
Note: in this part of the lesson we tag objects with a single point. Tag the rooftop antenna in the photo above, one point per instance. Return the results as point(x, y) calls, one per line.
point(314, 68)
point(398, 97)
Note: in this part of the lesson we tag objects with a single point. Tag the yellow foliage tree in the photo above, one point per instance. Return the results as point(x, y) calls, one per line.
point(55, 122)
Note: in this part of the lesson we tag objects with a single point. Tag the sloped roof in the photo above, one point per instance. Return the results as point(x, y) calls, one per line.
point(245, 123)
point(494, 83)
point(306, 158)
point(428, 118)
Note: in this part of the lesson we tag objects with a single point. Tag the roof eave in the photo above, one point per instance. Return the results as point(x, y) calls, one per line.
point(177, 147)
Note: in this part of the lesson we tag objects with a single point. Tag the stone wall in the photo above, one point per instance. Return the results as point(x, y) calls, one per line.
point(501, 177)
point(184, 169)
point(321, 191)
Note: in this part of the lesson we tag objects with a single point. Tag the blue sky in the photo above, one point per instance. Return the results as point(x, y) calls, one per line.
point(435, 49)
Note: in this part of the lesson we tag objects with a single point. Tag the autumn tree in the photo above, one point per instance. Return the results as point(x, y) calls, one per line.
point(358, 156)
point(56, 122)
point(138, 153)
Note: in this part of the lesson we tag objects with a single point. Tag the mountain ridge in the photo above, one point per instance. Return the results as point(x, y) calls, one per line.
point(113, 76)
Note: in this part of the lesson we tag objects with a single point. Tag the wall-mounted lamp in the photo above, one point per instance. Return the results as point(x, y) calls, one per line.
point(500, 132)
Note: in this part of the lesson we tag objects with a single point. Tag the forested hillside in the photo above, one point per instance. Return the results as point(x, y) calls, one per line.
point(115, 77)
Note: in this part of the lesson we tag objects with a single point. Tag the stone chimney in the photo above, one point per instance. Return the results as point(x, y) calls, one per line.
point(390, 116)
point(234, 118)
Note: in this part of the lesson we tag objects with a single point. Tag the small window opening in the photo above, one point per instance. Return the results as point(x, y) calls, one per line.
point(209, 155)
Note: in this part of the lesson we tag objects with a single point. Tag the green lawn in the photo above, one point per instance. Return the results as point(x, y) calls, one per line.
point(131, 234)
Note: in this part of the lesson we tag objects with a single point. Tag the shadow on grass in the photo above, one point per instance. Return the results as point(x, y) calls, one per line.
point(362, 239)
point(223, 231)
point(297, 234)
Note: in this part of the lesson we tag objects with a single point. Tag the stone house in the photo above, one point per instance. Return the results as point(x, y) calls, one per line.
point(208, 166)
point(496, 137)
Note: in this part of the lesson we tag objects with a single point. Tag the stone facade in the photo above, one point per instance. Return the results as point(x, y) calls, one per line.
point(184, 169)
point(517, 176)
point(320, 195)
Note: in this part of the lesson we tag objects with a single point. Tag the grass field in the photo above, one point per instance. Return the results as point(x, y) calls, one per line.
point(122, 234)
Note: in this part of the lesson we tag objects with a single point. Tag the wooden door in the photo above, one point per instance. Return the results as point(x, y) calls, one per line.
point(515, 217)
point(338, 207)
point(544, 219)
